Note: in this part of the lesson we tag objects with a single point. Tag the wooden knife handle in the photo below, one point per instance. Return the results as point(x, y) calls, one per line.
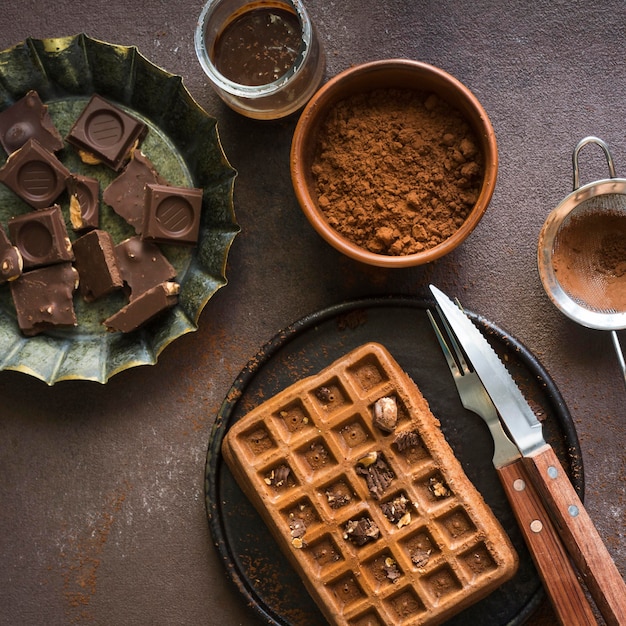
point(579, 535)
point(555, 568)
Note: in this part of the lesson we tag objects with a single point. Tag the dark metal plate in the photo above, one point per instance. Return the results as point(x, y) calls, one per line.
point(252, 558)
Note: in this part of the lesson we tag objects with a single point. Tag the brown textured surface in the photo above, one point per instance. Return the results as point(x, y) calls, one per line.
point(102, 487)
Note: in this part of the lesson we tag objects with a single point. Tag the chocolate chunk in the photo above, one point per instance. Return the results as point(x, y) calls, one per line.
point(378, 475)
point(96, 263)
point(172, 214)
point(144, 308)
point(11, 262)
point(338, 495)
point(142, 265)
point(390, 567)
point(361, 531)
point(84, 201)
point(41, 237)
point(28, 119)
point(104, 133)
point(43, 298)
point(397, 509)
point(34, 174)
point(126, 193)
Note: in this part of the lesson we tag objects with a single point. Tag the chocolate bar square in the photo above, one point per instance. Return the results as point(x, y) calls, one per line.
point(104, 133)
point(84, 201)
point(172, 214)
point(144, 308)
point(142, 265)
point(41, 237)
point(34, 174)
point(28, 118)
point(43, 298)
point(96, 263)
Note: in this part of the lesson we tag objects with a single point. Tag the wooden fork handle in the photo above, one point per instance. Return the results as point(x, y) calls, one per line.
point(579, 534)
point(553, 564)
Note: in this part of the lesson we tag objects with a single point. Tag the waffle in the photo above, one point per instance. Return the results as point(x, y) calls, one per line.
point(352, 474)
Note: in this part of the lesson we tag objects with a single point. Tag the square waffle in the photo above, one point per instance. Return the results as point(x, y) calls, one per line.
point(352, 474)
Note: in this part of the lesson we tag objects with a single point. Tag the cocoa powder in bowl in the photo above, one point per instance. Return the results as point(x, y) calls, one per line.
point(394, 162)
point(396, 171)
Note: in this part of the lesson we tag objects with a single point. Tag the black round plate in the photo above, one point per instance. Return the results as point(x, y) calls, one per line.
point(252, 557)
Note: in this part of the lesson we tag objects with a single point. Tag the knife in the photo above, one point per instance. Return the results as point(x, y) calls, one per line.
point(568, 598)
point(570, 517)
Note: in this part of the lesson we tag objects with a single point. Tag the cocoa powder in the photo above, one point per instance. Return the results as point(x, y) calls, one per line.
point(589, 259)
point(397, 171)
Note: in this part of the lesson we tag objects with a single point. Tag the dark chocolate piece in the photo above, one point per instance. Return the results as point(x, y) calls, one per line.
point(144, 308)
point(41, 237)
point(172, 214)
point(377, 473)
point(34, 174)
point(142, 265)
point(43, 298)
point(396, 509)
point(361, 531)
point(125, 195)
point(84, 201)
point(96, 263)
point(104, 133)
point(11, 262)
point(28, 118)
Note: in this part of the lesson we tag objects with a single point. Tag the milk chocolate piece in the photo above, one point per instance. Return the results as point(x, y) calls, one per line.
point(28, 119)
point(172, 214)
point(142, 265)
point(125, 195)
point(41, 237)
point(144, 308)
point(34, 174)
point(84, 201)
point(11, 262)
point(43, 298)
point(104, 133)
point(96, 263)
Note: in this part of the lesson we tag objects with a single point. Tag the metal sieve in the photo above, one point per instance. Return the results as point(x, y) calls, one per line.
point(582, 252)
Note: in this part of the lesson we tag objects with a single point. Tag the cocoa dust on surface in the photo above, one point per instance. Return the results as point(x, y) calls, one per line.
point(397, 171)
point(589, 260)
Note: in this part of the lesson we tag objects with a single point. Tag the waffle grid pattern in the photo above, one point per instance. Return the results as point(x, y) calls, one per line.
point(445, 552)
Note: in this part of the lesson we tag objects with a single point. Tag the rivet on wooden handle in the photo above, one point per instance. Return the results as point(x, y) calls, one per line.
point(579, 535)
point(553, 564)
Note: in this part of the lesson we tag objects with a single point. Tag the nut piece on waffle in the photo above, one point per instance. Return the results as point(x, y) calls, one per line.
point(352, 474)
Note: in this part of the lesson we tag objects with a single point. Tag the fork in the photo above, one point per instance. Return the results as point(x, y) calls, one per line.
point(553, 564)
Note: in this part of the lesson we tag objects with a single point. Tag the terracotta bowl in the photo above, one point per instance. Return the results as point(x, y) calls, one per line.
point(394, 73)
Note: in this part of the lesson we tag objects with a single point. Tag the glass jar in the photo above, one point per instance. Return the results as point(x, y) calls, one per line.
point(263, 57)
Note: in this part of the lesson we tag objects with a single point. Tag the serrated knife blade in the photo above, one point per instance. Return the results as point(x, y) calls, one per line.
point(521, 422)
point(580, 536)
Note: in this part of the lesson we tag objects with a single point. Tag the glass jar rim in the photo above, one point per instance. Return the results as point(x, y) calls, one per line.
point(251, 91)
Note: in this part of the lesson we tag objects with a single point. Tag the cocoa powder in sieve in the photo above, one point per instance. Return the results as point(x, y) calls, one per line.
point(589, 259)
point(397, 171)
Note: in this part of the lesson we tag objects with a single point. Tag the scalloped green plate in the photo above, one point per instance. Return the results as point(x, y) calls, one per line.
point(184, 145)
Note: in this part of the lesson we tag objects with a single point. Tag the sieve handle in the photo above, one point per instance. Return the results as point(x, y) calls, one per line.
point(620, 354)
point(581, 144)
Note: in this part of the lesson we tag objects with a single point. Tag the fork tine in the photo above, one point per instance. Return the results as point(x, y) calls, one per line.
point(452, 350)
point(458, 351)
point(447, 352)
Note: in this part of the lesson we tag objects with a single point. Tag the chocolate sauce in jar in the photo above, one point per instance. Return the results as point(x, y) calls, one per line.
point(262, 57)
point(258, 45)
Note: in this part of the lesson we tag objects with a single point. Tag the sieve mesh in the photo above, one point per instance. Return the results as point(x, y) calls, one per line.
point(589, 254)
